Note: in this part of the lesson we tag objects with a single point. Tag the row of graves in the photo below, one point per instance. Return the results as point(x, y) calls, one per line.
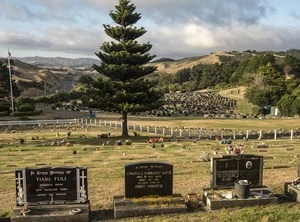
point(61, 193)
point(196, 103)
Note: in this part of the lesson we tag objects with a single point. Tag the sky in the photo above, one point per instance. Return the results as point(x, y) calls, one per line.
point(175, 28)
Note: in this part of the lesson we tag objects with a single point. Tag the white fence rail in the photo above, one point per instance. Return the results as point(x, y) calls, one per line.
point(196, 133)
point(37, 122)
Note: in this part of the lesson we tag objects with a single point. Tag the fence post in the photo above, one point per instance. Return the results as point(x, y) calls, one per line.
point(247, 134)
point(133, 126)
point(292, 133)
point(234, 134)
point(172, 132)
point(275, 134)
point(180, 133)
point(260, 134)
point(199, 134)
point(163, 131)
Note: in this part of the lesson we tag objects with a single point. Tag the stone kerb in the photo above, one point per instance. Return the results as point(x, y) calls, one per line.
point(148, 191)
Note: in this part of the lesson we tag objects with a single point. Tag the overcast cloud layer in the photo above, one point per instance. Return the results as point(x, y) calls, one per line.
point(175, 28)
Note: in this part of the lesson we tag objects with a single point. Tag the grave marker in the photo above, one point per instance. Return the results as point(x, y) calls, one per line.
point(229, 168)
point(54, 191)
point(148, 191)
point(59, 185)
point(148, 178)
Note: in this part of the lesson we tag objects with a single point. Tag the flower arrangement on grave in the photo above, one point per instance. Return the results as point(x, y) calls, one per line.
point(296, 183)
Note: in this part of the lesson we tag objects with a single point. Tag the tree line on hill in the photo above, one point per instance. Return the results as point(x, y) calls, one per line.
point(270, 79)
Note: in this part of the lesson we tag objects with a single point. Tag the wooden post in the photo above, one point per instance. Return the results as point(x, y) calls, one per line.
point(275, 134)
point(234, 134)
point(292, 133)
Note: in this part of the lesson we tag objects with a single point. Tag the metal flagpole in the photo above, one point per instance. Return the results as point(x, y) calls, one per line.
point(10, 82)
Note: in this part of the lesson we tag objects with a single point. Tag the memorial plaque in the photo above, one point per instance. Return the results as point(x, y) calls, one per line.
point(229, 168)
point(148, 178)
point(59, 185)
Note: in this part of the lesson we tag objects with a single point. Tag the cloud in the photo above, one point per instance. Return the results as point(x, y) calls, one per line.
point(176, 29)
point(216, 12)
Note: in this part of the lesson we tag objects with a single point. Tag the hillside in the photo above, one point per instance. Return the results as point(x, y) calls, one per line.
point(33, 80)
point(59, 61)
point(174, 66)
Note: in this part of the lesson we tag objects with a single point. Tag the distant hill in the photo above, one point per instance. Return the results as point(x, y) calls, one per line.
point(59, 61)
point(166, 65)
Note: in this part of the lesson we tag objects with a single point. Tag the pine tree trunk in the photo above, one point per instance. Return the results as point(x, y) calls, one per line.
point(124, 124)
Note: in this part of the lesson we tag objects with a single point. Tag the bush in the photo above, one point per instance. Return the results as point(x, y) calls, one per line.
point(21, 141)
point(33, 113)
point(5, 113)
point(26, 107)
point(4, 106)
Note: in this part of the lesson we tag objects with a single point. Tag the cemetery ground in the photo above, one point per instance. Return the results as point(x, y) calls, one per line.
point(105, 162)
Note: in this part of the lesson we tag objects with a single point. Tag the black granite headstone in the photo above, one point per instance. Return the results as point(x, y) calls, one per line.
point(59, 185)
point(229, 168)
point(147, 179)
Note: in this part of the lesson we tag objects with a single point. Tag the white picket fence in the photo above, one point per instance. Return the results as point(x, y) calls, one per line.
point(167, 131)
point(38, 122)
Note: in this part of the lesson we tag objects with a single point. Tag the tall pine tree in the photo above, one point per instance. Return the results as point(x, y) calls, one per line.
point(123, 63)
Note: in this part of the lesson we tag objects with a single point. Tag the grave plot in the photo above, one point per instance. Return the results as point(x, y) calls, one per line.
point(237, 181)
point(148, 191)
point(51, 194)
point(292, 189)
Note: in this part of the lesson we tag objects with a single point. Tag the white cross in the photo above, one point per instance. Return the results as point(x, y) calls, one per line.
point(19, 178)
point(82, 176)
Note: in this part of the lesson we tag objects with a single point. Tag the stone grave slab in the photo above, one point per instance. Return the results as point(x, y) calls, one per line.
point(51, 194)
point(148, 191)
point(227, 169)
point(215, 200)
point(292, 192)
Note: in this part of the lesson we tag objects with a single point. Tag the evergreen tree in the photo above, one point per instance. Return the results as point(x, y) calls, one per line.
point(123, 63)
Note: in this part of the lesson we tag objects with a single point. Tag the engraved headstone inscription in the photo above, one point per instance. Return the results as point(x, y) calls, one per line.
point(148, 178)
point(51, 185)
point(229, 168)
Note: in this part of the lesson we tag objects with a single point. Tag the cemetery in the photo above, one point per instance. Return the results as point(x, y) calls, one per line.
point(114, 178)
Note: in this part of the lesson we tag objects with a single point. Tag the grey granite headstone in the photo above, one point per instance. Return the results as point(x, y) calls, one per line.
point(148, 178)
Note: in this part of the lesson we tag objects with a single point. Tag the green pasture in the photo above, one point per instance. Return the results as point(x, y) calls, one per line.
point(105, 164)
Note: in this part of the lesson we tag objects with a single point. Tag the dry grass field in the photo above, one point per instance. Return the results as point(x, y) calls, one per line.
point(106, 164)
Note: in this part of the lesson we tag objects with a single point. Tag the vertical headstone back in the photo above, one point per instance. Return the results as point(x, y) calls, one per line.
point(148, 178)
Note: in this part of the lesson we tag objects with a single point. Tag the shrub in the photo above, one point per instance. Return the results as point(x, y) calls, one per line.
point(21, 140)
point(32, 113)
point(4, 106)
point(26, 107)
